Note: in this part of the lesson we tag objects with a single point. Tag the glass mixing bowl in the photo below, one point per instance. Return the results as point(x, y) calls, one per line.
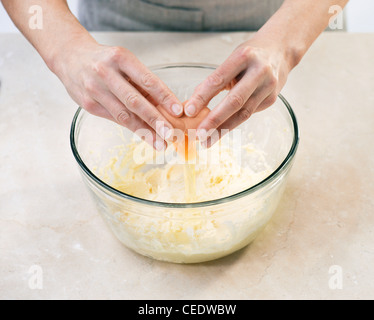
point(189, 232)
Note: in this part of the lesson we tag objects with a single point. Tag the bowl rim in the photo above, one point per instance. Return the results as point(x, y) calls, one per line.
point(280, 169)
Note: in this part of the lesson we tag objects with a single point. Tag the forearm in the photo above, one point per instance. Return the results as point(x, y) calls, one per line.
point(296, 25)
point(60, 28)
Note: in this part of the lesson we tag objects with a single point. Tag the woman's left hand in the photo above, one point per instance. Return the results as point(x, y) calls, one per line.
point(254, 75)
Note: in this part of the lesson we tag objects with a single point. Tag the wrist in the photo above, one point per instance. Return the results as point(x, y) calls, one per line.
point(293, 54)
point(63, 52)
point(288, 50)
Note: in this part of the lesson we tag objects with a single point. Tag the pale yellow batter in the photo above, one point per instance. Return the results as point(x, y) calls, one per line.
point(192, 234)
point(168, 183)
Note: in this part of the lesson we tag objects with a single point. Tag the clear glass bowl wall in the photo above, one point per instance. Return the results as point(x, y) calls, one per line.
point(197, 232)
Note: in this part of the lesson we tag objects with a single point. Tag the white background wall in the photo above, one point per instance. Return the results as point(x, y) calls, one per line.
point(360, 16)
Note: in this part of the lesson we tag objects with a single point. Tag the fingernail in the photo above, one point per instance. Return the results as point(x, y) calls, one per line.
point(177, 109)
point(159, 145)
point(202, 134)
point(165, 133)
point(190, 110)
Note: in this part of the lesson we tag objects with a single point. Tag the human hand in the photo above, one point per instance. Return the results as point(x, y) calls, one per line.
point(110, 82)
point(185, 123)
point(185, 132)
point(254, 75)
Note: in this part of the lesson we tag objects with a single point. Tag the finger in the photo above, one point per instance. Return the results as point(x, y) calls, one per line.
point(150, 83)
point(121, 115)
point(234, 101)
point(252, 106)
point(136, 103)
point(119, 112)
point(219, 80)
point(95, 108)
point(257, 100)
point(144, 93)
point(268, 102)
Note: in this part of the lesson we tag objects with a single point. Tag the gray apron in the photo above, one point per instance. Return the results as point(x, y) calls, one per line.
point(176, 15)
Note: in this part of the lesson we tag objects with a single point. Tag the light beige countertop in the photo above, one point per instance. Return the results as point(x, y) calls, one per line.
point(325, 219)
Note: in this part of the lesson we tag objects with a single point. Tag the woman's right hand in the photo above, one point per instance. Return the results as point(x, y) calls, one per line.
point(110, 82)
